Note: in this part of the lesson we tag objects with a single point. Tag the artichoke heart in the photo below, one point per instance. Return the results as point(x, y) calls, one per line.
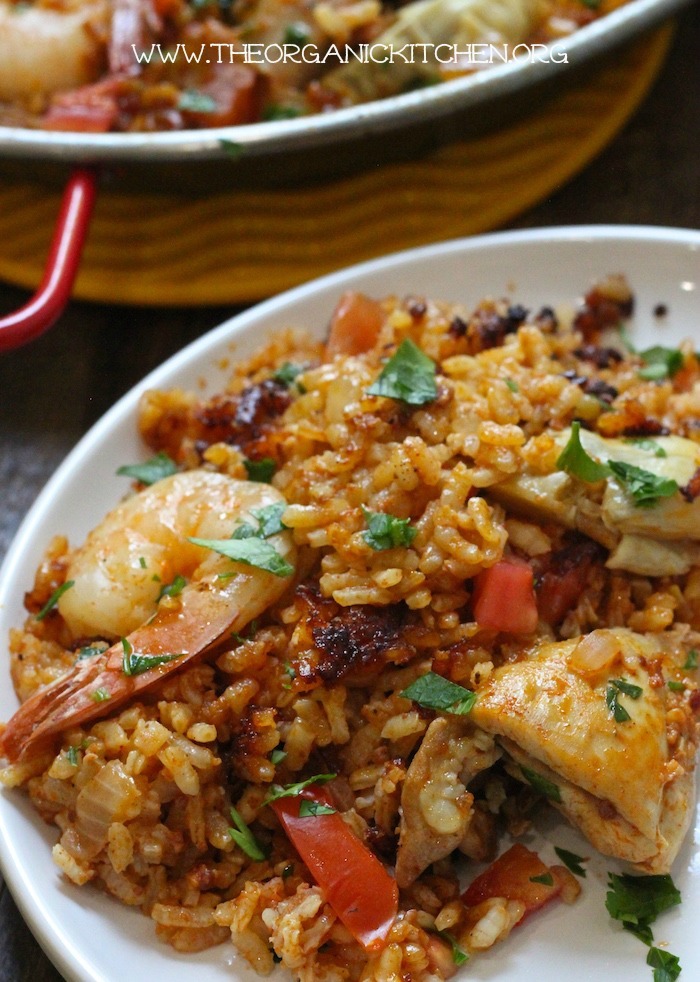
point(658, 540)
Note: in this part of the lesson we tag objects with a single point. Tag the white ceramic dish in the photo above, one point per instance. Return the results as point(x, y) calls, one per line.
point(90, 937)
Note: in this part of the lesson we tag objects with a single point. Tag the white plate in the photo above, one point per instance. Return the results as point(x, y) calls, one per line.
point(92, 938)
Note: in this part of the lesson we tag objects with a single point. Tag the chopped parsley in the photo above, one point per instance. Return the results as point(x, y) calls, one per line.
point(386, 531)
point(311, 809)
point(691, 662)
point(173, 589)
point(637, 901)
point(646, 488)
point(72, 756)
point(244, 838)
point(53, 599)
point(571, 860)
point(90, 650)
point(293, 790)
point(541, 784)
point(296, 32)
point(193, 101)
point(408, 376)
point(644, 443)
point(513, 386)
point(138, 664)
point(260, 470)
point(660, 363)
point(100, 695)
point(676, 686)
point(269, 519)
point(612, 694)
point(142, 562)
point(250, 551)
point(288, 373)
point(277, 756)
point(666, 966)
point(546, 878)
point(577, 462)
point(459, 955)
point(151, 470)
point(276, 111)
point(435, 692)
point(252, 628)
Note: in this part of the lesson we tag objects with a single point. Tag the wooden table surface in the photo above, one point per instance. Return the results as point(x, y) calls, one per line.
point(52, 391)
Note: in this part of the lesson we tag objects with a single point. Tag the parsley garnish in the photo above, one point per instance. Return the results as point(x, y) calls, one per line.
point(513, 386)
point(53, 599)
point(137, 664)
point(435, 692)
point(173, 589)
point(409, 376)
point(644, 443)
point(691, 662)
point(296, 33)
point(72, 755)
point(660, 363)
point(142, 562)
point(244, 838)
point(260, 470)
point(571, 860)
point(292, 790)
point(287, 373)
point(232, 149)
point(675, 686)
point(310, 809)
point(270, 519)
point(637, 901)
point(151, 471)
point(666, 966)
point(546, 878)
point(386, 531)
point(612, 693)
point(576, 461)
point(250, 551)
point(275, 111)
point(459, 955)
point(541, 784)
point(277, 756)
point(90, 650)
point(646, 488)
point(196, 102)
point(100, 695)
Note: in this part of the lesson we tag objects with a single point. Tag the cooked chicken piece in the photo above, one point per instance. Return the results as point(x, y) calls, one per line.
point(658, 540)
point(436, 808)
point(584, 723)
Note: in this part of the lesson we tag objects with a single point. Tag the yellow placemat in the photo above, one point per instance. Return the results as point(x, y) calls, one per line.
point(243, 245)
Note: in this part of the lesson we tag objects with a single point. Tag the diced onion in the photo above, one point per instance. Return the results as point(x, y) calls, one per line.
point(595, 651)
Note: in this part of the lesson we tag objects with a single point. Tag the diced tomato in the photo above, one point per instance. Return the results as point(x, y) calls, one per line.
point(504, 597)
point(355, 325)
point(511, 876)
point(89, 109)
point(355, 883)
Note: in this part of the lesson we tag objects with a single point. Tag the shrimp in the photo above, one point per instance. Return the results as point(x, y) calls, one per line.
point(117, 576)
point(48, 49)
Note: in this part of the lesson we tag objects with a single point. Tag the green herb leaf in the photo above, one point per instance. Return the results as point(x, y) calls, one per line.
point(193, 101)
point(292, 790)
point(138, 664)
point(541, 784)
point(260, 470)
point(252, 552)
point(277, 756)
point(546, 878)
point(296, 33)
point(173, 589)
point(666, 966)
point(638, 900)
point(435, 692)
point(513, 386)
point(691, 662)
point(571, 860)
point(459, 955)
point(244, 838)
point(270, 519)
point(232, 149)
point(275, 111)
point(53, 599)
point(612, 692)
point(660, 363)
point(72, 755)
point(387, 532)
point(287, 373)
point(90, 650)
point(150, 471)
point(575, 461)
point(100, 695)
point(408, 376)
point(675, 686)
point(142, 562)
point(310, 809)
point(644, 443)
point(646, 488)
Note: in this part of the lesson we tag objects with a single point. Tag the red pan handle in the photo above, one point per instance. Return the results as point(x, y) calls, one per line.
point(54, 291)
